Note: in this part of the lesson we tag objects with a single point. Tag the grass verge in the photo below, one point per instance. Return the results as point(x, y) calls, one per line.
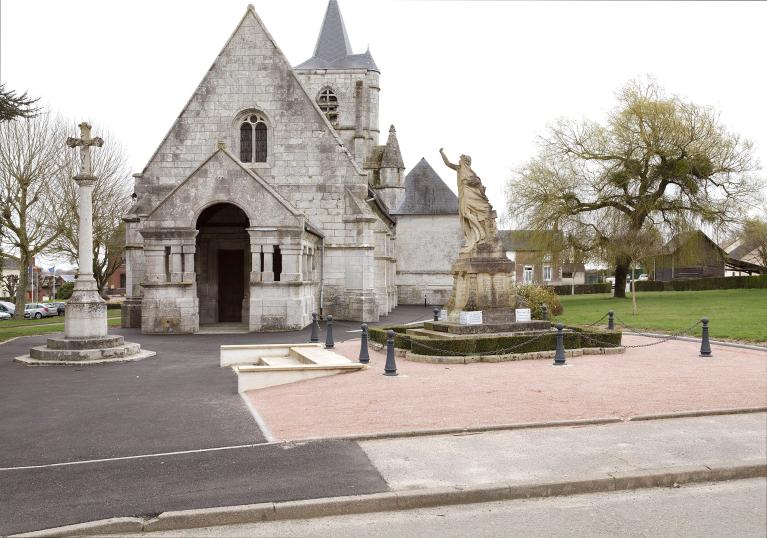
point(31, 327)
point(737, 314)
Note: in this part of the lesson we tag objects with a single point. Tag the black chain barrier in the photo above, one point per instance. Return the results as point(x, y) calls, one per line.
point(672, 336)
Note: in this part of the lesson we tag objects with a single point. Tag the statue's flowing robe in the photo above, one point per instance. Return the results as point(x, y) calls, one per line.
point(474, 206)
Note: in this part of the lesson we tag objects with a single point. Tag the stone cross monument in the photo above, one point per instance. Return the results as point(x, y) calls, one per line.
point(86, 314)
point(85, 339)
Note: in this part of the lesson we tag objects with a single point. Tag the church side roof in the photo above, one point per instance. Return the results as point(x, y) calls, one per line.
point(426, 193)
point(333, 50)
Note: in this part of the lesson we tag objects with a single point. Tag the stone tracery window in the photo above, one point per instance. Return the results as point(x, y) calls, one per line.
point(328, 102)
point(253, 135)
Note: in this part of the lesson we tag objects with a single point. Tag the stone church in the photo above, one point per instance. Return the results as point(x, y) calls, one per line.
point(270, 198)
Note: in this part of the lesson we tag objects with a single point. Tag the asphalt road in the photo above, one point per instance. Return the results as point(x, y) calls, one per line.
point(34, 499)
point(721, 509)
point(180, 400)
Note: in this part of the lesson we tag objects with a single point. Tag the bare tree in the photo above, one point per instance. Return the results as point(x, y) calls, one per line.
point(660, 161)
point(111, 200)
point(754, 234)
point(31, 162)
point(10, 283)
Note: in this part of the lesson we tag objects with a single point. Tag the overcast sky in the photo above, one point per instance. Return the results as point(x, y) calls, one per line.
point(482, 78)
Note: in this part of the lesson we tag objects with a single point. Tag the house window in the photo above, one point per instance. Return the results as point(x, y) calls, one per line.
point(253, 134)
point(328, 103)
point(567, 274)
point(546, 273)
point(527, 274)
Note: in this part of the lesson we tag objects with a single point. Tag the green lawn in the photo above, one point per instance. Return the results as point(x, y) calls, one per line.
point(733, 314)
point(12, 328)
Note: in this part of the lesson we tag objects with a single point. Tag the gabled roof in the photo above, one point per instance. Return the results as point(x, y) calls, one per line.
point(426, 193)
point(680, 242)
point(333, 50)
point(531, 240)
point(221, 149)
point(743, 249)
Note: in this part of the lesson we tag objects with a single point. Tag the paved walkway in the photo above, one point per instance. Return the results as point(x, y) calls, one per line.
point(668, 377)
point(573, 453)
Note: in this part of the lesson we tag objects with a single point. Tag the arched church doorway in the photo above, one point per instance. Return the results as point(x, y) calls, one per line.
point(222, 264)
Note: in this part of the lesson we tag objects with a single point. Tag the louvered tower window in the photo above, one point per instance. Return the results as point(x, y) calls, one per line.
point(253, 139)
point(328, 103)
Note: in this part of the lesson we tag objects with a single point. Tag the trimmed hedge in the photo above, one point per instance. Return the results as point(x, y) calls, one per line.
point(581, 289)
point(401, 340)
point(701, 284)
point(476, 344)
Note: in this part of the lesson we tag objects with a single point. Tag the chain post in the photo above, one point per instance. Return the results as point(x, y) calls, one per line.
point(559, 355)
point(364, 355)
point(315, 336)
point(705, 345)
point(435, 310)
point(390, 368)
point(329, 343)
point(545, 310)
point(610, 320)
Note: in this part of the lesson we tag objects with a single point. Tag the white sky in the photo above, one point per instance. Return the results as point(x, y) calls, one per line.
point(482, 78)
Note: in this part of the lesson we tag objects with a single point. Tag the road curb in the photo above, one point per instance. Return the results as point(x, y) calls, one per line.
point(403, 500)
point(700, 413)
point(458, 431)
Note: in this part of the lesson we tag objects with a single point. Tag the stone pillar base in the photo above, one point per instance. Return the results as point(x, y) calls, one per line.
point(86, 311)
point(131, 313)
point(92, 350)
point(483, 283)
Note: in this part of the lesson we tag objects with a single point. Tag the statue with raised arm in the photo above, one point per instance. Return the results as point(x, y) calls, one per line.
point(474, 209)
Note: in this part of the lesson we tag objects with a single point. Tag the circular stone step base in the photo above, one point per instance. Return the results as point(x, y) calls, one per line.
point(137, 356)
point(46, 353)
point(99, 342)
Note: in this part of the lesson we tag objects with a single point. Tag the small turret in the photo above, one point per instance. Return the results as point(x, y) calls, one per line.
point(387, 171)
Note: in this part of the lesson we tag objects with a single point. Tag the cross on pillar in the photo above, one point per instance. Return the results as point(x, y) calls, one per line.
point(85, 181)
point(85, 142)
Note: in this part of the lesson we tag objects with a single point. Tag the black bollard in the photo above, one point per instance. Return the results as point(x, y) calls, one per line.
point(364, 357)
point(705, 346)
point(559, 355)
point(391, 367)
point(315, 336)
point(424, 302)
point(329, 344)
point(611, 321)
point(545, 311)
point(436, 313)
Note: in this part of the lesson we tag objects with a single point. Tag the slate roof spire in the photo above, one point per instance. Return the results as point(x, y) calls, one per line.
point(392, 157)
point(333, 50)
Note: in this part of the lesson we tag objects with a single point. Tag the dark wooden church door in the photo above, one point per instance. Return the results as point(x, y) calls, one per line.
point(231, 285)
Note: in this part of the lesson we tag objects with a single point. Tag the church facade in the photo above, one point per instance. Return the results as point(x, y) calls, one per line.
point(270, 197)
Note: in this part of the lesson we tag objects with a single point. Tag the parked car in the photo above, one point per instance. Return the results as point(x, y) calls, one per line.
point(60, 307)
point(5, 306)
point(38, 310)
point(611, 280)
point(4, 315)
point(643, 276)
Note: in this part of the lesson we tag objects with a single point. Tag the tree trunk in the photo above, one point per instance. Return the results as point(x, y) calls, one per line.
point(621, 271)
point(21, 291)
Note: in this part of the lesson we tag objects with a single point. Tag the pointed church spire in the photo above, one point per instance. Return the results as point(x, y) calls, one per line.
point(333, 50)
point(333, 41)
point(392, 158)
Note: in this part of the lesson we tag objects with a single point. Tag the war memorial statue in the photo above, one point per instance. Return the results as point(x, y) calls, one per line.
point(482, 275)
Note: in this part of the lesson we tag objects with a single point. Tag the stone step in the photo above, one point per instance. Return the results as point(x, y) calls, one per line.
point(48, 354)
